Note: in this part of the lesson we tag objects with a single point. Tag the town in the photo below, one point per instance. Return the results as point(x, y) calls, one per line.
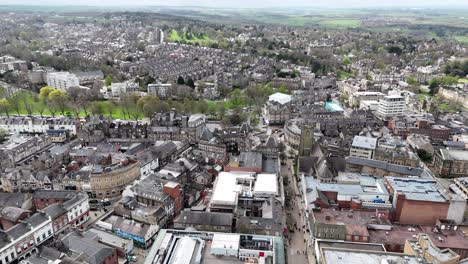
point(183, 137)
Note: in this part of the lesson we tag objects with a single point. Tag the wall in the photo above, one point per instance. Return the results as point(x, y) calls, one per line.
point(421, 212)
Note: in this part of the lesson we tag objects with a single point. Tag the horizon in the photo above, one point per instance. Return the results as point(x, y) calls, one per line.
point(246, 4)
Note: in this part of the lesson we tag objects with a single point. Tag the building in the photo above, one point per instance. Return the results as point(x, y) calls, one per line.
point(20, 148)
point(156, 192)
point(363, 147)
point(204, 221)
point(380, 168)
point(277, 108)
point(460, 186)
point(184, 247)
point(353, 191)
point(23, 239)
point(110, 181)
point(142, 234)
point(37, 125)
point(123, 246)
point(390, 106)
point(356, 98)
point(246, 161)
point(91, 250)
point(161, 90)
point(124, 88)
point(451, 163)
point(74, 204)
point(423, 201)
point(62, 80)
point(230, 188)
point(424, 248)
point(348, 225)
point(351, 256)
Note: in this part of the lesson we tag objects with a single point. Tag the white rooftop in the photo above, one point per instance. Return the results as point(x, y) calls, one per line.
point(226, 189)
point(225, 241)
point(266, 184)
point(280, 98)
point(364, 142)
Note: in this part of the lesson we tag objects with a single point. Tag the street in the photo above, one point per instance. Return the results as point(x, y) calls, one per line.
point(296, 245)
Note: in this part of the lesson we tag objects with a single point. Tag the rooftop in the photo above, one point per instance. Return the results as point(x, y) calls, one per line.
point(364, 142)
point(452, 154)
point(417, 189)
point(280, 98)
point(349, 256)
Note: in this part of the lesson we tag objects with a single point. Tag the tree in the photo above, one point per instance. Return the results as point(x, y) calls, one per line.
point(3, 135)
point(108, 80)
point(180, 80)
point(190, 83)
point(129, 104)
point(148, 105)
point(5, 106)
point(58, 100)
point(424, 155)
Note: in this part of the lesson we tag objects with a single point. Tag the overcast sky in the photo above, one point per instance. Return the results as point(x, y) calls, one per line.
point(250, 3)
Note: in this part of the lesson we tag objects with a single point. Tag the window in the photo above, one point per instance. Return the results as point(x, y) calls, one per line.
point(49, 232)
point(44, 236)
point(25, 246)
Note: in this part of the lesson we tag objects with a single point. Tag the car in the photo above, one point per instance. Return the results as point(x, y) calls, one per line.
point(133, 258)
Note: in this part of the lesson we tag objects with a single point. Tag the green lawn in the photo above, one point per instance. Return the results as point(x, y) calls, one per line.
point(341, 23)
point(463, 39)
point(463, 80)
point(37, 105)
point(174, 36)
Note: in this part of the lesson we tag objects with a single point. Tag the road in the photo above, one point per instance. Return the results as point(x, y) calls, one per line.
point(296, 243)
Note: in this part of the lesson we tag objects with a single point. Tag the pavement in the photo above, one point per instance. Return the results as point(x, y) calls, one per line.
point(296, 244)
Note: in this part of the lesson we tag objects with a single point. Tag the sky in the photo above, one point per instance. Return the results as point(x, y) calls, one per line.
point(250, 3)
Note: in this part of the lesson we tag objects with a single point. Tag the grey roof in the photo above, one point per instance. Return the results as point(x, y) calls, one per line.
point(37, 219)
point(250, 159)
point(364, 142)
point(96, 253)
point(385, 166)
point(18, 230)
point(204, 218)
point(418, 189)
point(54, 210)
point(13, 199)
point(4, 239)
point(451, 154)
point(12, 213)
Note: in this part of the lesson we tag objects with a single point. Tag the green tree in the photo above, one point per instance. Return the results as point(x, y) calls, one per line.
point(5, 106)
point(58, 100)
point(190, 83)
point(180, 80)
point(108, 80)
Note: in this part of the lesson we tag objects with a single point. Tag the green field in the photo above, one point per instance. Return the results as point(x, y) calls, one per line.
point(463, 39)
point(341, 23)
point(204, 40)
point(36, 105)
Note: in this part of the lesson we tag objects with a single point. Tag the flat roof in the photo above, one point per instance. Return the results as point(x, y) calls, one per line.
point(349, 256)
point(452, 154)
point(266, 184)
point(226, 189)
point(417, 189)
point(364, 142)
point(222, 241)
point(280, 98)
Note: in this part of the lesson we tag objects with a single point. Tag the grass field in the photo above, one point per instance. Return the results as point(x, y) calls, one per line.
point(36, 105)
point(174, 36)
point(341, 23)
point(463, 39)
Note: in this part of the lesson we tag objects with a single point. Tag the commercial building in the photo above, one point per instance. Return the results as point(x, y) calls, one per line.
point(356, 98)
point(62, 80)
point(110, 181)
point(423, 201)
point(230, 187)
point(460, 187)
point(451, 163)
point(424, 248)
point(185, 247)
point(204, 221)
point(23, 239)
point(380, 168)
point(390, 106)
point(363, 147)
